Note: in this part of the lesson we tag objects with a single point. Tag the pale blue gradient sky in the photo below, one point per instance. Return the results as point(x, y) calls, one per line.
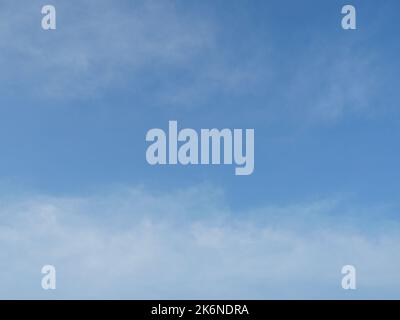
point(76, 103)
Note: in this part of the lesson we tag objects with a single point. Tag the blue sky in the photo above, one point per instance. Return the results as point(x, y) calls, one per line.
point(77, 192)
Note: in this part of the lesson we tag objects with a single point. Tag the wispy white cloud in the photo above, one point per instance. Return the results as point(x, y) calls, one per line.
point(152, 49)
point(328, 85)
point(188, 244)
point(97, 44)
point(133, 46)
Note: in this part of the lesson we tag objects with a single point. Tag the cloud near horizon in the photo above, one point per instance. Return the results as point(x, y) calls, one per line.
point(132, 243)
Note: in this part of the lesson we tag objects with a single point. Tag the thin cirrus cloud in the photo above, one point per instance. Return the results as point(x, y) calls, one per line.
point(98, 47)
point(95, 44)
point(134, 243)
point(149, 49)
point(328, 86)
